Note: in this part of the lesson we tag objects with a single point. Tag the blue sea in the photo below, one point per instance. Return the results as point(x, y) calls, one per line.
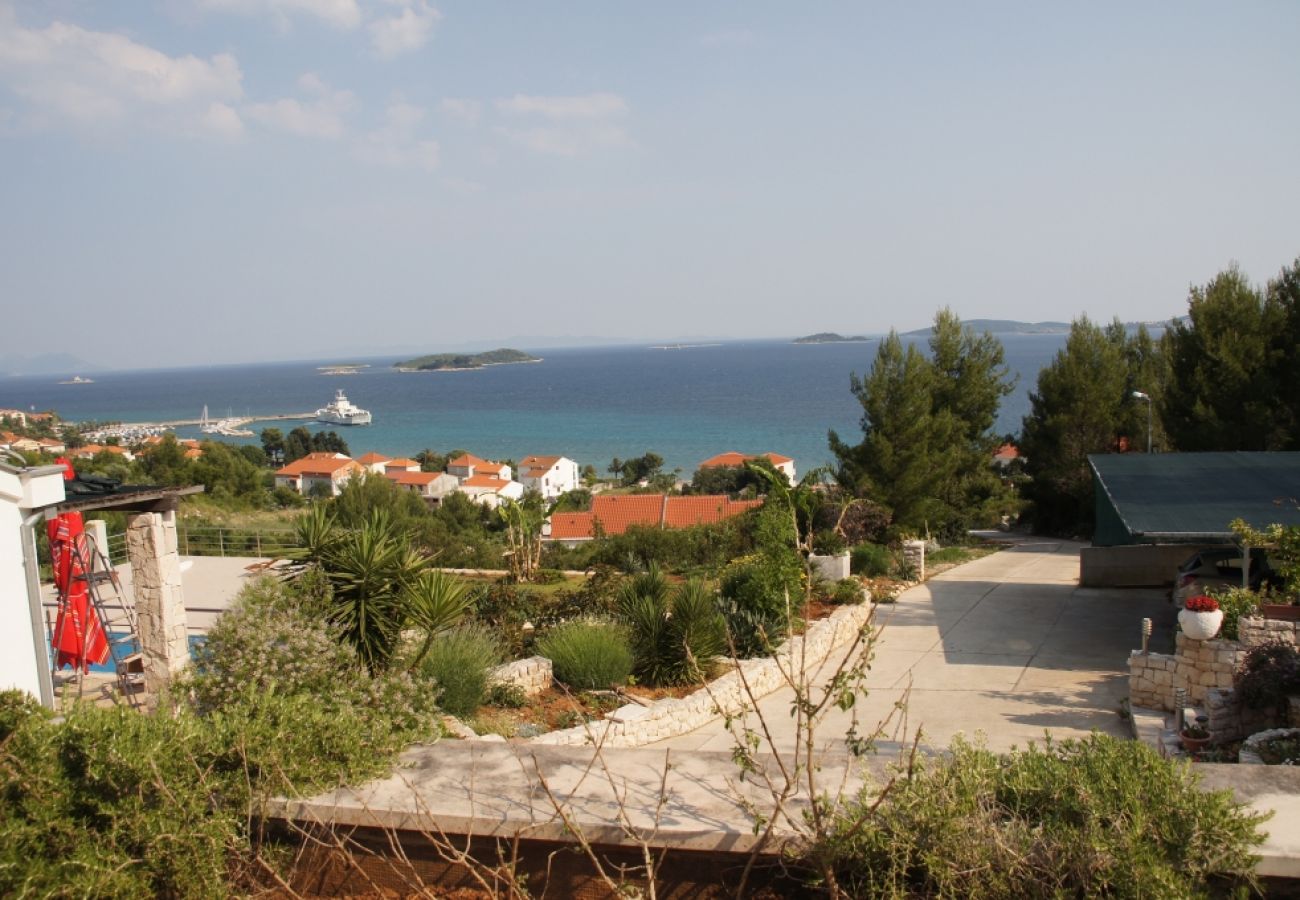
point(590, 404)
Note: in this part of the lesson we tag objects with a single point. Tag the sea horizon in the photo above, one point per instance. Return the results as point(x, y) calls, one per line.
point(588, 403)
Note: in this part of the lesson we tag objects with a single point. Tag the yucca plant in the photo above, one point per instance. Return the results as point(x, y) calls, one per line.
point(674, 636)
point(434, 602)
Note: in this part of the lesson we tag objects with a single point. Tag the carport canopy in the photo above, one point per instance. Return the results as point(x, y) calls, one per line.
point(1170, 498)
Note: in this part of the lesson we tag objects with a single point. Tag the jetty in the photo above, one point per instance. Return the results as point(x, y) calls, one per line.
point(234, 422)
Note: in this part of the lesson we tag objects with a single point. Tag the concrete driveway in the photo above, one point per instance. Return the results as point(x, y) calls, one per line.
point(1008, 646)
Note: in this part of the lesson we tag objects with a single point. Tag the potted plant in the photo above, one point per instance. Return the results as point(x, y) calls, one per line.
point(1200, 618)
point(1195, 736)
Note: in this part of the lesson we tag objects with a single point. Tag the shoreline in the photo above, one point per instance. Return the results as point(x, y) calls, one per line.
point(516, 362)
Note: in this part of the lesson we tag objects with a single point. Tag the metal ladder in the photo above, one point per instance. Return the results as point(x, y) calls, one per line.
point(119, 624)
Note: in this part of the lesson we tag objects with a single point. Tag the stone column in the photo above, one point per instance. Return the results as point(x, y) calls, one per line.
point(914, 552)
point(159, 602)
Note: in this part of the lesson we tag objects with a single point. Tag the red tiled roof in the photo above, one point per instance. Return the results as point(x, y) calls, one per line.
point(485, 481)
point(318, 464)
point(420, 478)
point(401, 463)
point(528, 463)
point(465, 461)
point(1007, 451)
point(618, 512)
point(732, 458)
point(572, 526)
point(683, 512)
point(372, 457)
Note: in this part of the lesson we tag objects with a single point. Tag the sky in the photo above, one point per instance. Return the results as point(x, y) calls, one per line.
point(208, 181)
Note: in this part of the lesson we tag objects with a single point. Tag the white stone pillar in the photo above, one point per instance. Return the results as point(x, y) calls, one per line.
point(159, 601)
point(914, 552)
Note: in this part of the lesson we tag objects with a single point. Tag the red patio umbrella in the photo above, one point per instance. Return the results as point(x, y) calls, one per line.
point(79, 639)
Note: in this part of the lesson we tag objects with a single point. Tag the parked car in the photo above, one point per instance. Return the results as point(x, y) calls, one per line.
point(1221, 567)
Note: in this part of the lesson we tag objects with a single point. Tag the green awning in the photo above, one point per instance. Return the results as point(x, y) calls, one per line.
point(1191, 497)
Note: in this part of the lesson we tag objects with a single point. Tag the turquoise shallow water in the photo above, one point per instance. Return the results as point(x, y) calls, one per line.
point(590, 404)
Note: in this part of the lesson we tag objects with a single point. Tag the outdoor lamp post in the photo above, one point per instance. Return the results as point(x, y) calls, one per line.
point(1138, 395)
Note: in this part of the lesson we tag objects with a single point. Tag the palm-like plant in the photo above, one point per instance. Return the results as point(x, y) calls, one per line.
point(675, 636)
point(434, 602)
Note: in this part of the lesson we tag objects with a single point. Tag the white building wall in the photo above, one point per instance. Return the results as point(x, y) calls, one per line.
point(21, 662)
point(558, 479)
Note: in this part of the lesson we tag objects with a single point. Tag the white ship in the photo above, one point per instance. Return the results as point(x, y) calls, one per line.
point(343, 412)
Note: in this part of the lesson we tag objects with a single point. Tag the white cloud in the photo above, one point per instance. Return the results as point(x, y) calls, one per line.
point(69, 74)
point(221, 119)
point(396, 143)
point(407, 30)
point(343, 14)
point(587, 106)
point(465, 110)
point(321, 116)
point(573, 125)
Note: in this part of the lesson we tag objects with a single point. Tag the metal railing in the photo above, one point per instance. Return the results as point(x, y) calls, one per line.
point(209, 541)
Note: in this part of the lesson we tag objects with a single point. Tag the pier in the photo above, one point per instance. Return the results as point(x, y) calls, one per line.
point(234, 421)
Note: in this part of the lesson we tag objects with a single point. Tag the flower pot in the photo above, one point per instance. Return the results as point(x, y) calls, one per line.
point(1287, 612)
point(1194, 745)
point(1200, 626)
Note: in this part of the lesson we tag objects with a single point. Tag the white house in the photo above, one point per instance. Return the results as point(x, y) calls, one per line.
point(329, 469)
point(550, 476)
point(374, 462)
point(432, 486)
point(783, 464)
point(490, 491)
point(467, 465)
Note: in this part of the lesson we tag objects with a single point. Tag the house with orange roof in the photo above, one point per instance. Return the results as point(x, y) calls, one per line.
point(1005, 455)
point(613, 514)
point(374, 462)
point(11, 441)
point(550, 476)
point(89, 451)
point(330, 470)
point(17, 416)
point(732, 459)
point(489, 490)
point(401, 464)
point(467, 465)
point(432, 486)
point(51, 445)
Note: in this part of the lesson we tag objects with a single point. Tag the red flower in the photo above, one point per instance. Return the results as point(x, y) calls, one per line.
point(1202, 603)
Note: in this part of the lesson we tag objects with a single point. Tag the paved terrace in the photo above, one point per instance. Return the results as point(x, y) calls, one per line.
point(1008, 646)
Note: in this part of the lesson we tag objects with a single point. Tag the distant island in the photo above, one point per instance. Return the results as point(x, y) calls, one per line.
point(830, 337)
point(1003, 326)
point(438, 362)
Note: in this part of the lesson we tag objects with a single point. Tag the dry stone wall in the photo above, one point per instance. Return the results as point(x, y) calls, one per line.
point(1196, 666)
point(532, 675)
point(633, 725)
point(1255, 631)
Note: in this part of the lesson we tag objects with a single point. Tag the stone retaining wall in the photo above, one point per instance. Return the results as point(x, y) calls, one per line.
point(532, 675)
point(633, 725)
point(1256, 631)
point(1195, 666)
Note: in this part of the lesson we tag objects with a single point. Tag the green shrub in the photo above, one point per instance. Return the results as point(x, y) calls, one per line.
point(872, 560)
point(847, 592)
point(758, 596)
point(588, 655)
point(506, 696)
point(1237, 603)
point(1268, 675)
point(458, 662)
point(675, 638)
point(1097, 817)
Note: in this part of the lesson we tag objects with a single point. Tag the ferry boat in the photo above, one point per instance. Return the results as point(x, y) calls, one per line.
point(343, 412)
point(77, 379)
